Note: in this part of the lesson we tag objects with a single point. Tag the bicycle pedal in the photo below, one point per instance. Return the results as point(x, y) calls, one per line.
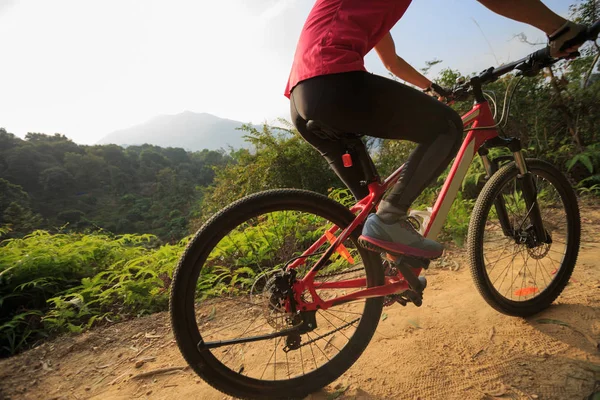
point(405, 298)
point(401, 301)
point(415, 262)
point(414, 282)
point(395, 298)
point(415, 298)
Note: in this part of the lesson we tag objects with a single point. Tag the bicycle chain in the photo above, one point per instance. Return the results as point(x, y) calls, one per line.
point(340, 273)
point(343, 326)
point(329, 333)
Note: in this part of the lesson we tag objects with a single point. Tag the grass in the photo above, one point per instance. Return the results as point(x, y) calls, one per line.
point(69, 282)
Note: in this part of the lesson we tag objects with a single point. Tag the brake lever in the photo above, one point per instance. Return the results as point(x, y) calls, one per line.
point(532, 66)
point(528, 68)
point(459, 93)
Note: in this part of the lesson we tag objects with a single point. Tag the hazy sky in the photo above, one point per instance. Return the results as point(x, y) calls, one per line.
point(86, 68)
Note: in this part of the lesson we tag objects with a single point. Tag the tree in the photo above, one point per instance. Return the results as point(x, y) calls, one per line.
point(10, 193)
point(88, 170)
point(20, 219)
point(23, 166)
point(56, 182)
point(281, 158)
point(7, 140)
point(585, 11)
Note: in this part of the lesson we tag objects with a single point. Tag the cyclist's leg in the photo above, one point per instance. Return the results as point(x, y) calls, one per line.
point(369, 104)
point(425, 163)
point(439, 130)
point(332, 150)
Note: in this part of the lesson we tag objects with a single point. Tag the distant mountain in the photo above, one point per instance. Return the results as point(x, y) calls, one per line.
point(189, 130)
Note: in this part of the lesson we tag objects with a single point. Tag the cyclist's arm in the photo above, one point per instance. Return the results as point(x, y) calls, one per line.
point(532, 12)
point(386, 50)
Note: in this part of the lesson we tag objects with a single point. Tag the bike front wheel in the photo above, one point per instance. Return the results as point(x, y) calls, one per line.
point(227, 288)
point(515, 273)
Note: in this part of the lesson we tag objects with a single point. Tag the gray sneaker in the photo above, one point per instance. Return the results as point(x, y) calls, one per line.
point(397, 238)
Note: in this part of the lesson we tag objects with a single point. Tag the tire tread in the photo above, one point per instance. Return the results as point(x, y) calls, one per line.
point(477, 226)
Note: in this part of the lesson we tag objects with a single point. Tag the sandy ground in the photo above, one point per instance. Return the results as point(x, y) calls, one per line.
point(454, 347)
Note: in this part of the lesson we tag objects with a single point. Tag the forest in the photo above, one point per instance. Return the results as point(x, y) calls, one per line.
point(49, 182)
point(90, 234)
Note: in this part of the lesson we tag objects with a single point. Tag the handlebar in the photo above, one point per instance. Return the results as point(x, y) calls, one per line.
point(529, 66)
point(539, 59)
point(591, 33)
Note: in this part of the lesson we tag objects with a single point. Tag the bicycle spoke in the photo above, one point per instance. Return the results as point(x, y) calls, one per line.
point(317, 345)
point(500, 259)
point(333, 312)
point(514, 278)
point(558, 252)
point(543, 268)
point(535, 285)
point(313, 354)
point(226, 327)
point(506, 269)
point(240, 251)
point(267, 365)
point(322, 315)
point(517, 278)
point(240, 276)
point(242, 334)
point(523, 279)
point(287, 363)
point(275, 359)
point(302, 361)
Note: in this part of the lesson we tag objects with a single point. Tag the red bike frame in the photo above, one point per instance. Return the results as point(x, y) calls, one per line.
point(479, 117)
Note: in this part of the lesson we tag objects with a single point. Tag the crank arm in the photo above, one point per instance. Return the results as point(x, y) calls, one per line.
point(202, 345)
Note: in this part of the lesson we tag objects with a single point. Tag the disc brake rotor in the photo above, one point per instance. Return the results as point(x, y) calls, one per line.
point(274, 301)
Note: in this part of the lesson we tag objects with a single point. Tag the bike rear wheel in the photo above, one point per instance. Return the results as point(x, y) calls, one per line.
point(225, 288)
point(514, 273)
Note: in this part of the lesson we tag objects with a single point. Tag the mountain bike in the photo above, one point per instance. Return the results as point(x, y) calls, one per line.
point(274, 296)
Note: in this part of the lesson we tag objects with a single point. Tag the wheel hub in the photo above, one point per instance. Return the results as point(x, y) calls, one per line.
point(274, 310)
point(539, 252)
point(278, 297)
point(535, 248)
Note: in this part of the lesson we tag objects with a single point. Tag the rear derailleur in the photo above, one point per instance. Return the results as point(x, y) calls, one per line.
point(306, 321)
point(280, 290)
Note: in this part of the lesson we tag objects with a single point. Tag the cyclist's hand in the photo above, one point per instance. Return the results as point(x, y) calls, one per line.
point(439, 92)
point(556, 41)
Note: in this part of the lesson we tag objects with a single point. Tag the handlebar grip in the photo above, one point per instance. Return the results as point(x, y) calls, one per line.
point(541, 54)
point(594, 30)
point(591, 33)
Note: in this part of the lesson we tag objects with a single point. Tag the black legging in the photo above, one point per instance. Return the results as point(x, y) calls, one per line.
point(366, 104)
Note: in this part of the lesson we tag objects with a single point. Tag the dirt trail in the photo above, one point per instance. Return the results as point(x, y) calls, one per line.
point(454, 347)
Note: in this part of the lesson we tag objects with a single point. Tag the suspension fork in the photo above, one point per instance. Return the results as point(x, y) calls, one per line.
point(527, 186)
point(530, 195)
point(490, 168)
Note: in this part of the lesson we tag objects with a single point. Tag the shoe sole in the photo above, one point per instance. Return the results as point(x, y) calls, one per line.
point(399, 249)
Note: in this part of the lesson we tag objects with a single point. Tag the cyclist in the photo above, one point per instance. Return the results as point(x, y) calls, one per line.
point(328, 84)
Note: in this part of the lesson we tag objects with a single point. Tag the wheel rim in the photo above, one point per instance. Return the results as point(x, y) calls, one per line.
point(234, 296)
point(519, 269)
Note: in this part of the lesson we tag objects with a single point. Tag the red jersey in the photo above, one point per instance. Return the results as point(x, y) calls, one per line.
point(339, 33)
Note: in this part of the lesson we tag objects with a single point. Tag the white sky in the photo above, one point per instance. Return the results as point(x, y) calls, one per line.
point(86, 68)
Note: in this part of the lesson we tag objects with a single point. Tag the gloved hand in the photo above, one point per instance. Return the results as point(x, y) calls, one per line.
point(438, 91)
point(556, 40)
